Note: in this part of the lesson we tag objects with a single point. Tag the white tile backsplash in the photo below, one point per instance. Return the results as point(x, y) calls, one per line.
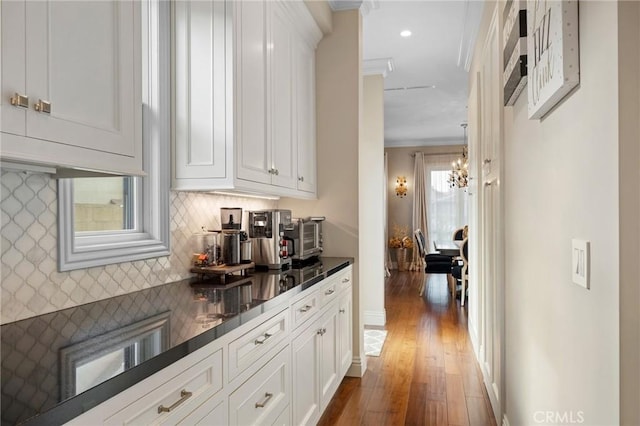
point(31, 284)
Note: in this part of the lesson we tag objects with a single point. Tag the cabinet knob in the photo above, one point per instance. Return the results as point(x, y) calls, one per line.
point(301, 178)
point(276, 172)
point(43, 106)
point(487, 161)
point(19, 100)
point(342, 311)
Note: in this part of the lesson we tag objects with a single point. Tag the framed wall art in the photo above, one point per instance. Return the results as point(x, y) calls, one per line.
point(553, 62)
point(514, 45)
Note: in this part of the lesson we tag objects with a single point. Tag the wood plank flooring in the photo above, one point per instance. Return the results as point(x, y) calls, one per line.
point(426, 374)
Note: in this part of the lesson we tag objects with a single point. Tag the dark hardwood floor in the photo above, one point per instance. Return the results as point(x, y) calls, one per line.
point(426, 374)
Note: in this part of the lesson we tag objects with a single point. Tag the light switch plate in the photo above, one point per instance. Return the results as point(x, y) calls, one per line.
point(580, 262)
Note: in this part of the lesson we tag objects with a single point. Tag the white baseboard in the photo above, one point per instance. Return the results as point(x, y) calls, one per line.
point(505, 421)
point(378, 318)
point(358, 367)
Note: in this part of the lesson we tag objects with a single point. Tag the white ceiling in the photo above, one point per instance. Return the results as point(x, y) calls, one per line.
point(436, 54)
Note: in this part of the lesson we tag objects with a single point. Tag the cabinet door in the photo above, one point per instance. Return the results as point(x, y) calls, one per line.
point(305, 119)
point(200, 144)
point(79, 64)
point(13, 51)
point(84, 59)
point(344, 331)
point(306, 387)
point(328, 356)
point(282, 81)
point(253, 151)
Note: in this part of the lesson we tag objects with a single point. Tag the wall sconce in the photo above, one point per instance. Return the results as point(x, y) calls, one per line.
point(401, 186)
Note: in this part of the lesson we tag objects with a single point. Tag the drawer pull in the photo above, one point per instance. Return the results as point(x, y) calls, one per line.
point(260, 342)
point(305, 308)
point(342, 311)
point(329, 292)
point(321, 331)
point(345, 280)
point(184, 395)
point(267, 397)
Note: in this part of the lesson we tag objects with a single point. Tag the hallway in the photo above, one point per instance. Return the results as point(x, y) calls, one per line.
point(427, 373)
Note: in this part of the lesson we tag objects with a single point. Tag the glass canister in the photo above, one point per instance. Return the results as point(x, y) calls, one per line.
point(206, 248)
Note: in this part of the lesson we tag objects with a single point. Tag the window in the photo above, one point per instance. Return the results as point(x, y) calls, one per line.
point(447, 207)
point(105, 204)
point(104, 220)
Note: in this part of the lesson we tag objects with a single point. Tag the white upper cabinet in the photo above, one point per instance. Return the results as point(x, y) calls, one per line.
point(201, 44)
point(281, 83)
point(71, 84)
point(253, 150)
point(305, 115)
point(269, 92)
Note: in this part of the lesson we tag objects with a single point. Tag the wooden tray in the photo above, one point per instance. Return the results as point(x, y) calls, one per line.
point(222, 282)
point(222, 270)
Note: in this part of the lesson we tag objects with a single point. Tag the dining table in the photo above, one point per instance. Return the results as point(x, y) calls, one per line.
point(448, 247)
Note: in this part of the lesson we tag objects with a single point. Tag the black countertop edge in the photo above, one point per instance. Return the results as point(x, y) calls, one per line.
point(79, 404)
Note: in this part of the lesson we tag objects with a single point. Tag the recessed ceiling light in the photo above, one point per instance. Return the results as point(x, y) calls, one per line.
point(405, 33)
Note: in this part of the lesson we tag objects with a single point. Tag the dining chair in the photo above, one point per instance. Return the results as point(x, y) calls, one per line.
point(435, 263)
point(461, 271)
point(458, 234)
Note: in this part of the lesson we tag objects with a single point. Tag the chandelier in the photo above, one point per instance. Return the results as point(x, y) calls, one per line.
point(459, 175)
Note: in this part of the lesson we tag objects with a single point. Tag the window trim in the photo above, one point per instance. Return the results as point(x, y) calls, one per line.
point(153, 239)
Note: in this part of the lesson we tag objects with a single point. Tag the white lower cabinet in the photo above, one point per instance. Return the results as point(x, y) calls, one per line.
point(305, 348)
point(261, 399)
point(321, 354)
point(260, 373)
point(345, 334)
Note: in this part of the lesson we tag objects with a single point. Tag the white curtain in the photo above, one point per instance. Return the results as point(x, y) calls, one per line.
point(419, 208)
point(387, 255)
point(447, 207)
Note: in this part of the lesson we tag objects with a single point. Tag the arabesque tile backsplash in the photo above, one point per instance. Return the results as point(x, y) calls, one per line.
point(31, 283)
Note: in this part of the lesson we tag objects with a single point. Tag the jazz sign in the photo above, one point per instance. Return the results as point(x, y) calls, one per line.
point(553, 66)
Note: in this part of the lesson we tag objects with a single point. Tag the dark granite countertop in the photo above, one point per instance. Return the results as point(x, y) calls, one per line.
point(58, 365)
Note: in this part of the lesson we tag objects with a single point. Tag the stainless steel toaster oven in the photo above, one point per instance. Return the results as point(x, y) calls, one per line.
point(305, 237)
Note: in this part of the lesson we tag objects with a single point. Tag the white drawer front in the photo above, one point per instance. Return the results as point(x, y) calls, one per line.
point(344, 278)
point(305, 308)
point(248, 348)
point(329, 292)
point(261, 399)
point(170, 402)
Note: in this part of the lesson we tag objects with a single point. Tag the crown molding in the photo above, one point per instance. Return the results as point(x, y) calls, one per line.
point(378, 66)
point(364, 6)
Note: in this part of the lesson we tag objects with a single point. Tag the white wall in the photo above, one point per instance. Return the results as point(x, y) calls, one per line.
point(561, 182)
point(371, 208)
point(338, 106)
